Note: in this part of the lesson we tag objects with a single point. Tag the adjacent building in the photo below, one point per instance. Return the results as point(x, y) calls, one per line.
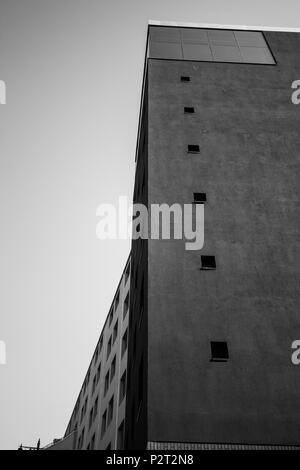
point(98, 418)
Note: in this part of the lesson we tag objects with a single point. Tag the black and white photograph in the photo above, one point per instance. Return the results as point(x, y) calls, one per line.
point(150, 227)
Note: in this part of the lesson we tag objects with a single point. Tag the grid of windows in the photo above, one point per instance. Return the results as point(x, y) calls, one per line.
point(212, 45)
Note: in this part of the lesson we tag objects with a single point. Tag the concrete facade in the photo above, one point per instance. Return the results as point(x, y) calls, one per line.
point(248, 166)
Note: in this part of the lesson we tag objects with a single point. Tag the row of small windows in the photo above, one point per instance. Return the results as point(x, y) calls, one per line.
point(107, 416)
point(108, 413)
point(209, 45)
point(98, 350)
point(111, 372)
point(93, 413)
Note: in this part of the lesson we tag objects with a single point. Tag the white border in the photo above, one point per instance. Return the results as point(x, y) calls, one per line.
point(222, 26)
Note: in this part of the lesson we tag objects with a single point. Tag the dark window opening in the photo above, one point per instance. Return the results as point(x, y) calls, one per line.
point(117, 300)
point(110, 411)
point(91, 418)
point(106, 383)
point(98, 373)
point(126, 306)
point(93, 442)
point(124, 343)
point(115, 331)
point(193, 149)
point(95, 412)
point(219, 351)
point(122, 392)
point(121, 436)
point(127, 273)
point(94, 384)
point(208, 262)
point(103, 425)
point(111, 316)
point(185, 79)
point(108, 347)
point(189, 110)
point(113, 369)
point(199, 198)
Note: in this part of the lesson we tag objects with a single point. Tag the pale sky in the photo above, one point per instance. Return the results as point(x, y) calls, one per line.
point(73, 70)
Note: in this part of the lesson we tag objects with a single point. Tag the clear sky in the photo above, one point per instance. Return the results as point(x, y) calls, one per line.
point(73, 70)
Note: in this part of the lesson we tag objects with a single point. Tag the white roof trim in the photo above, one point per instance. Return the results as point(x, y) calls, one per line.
point(222, 26)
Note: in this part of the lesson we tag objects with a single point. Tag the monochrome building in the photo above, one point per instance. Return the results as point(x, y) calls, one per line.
point(209, 361)
point(209, 332)
point(98, 418)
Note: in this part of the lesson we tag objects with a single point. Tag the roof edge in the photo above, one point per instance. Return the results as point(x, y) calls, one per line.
point(183, 24)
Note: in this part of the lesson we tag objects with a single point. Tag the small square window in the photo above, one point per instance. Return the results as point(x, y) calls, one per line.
point(193, 149)
point(185, 79)
point(208, 262)
point(219, 351)
point(199, 198)
point(189, 110)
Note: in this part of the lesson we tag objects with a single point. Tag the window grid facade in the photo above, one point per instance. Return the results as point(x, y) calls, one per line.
point(97, 423)
point(209, 45)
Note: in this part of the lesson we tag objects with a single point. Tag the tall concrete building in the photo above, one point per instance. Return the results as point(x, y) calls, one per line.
point(209, 332)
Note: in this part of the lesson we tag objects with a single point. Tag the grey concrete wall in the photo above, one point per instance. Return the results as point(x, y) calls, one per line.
point(248, 131)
